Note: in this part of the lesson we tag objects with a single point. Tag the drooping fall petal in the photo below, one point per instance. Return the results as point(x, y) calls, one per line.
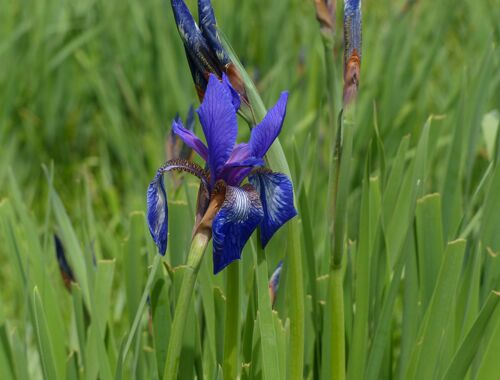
point(157, 206)
point(276, 194)
point(233, 225)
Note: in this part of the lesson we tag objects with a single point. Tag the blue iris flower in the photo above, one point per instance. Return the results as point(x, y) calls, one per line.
point(266, 200)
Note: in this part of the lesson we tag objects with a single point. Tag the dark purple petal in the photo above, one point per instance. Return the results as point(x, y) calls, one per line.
point(233, 225)
point(269, 128)
point(218, 119)
point(276, 194)
point(206, 18)
point(234, 173)
point(247, 162)
point(240, 152)
point(190, 139)
point(234, 93)
point(157, 207)
point(239, 165)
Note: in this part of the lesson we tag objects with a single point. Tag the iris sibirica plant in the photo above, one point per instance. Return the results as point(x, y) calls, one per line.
point(228, 207)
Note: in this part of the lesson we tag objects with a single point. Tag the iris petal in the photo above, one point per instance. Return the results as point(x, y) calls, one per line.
point(157, 207)
point(276, 195)
point(233, 225)
point(218, 119)
point(239, 164)
point(190, 139)
point(235, 172)
point(157, 212)
point(240, 152)
point(234, 93)
point(264, 134)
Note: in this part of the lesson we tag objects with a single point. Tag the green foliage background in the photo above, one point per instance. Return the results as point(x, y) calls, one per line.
point(87, 93)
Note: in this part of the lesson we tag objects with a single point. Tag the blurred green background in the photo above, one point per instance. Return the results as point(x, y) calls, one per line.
point(88, 90)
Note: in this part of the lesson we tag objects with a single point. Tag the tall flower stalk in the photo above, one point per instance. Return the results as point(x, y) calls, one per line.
point(342, 134)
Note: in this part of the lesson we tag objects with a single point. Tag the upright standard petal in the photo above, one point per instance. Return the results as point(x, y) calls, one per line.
point(233, 225)
point(264, 134)
point(276, 195)
point(218, 119)
point(157, 206)
point(234, 93)
point(190, 139)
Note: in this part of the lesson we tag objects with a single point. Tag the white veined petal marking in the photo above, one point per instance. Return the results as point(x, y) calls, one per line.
point(159, 205)
point(240, 203)
point(276, 201)
point(276, 195)
point(240, 214)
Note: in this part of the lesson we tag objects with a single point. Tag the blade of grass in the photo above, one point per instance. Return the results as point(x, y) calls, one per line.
point(430, 243)
point(51, 370)
point(467, 349)
point(231, 363)
point(436, 319)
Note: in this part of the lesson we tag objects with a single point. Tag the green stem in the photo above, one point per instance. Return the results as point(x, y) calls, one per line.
point(232, 322)
point(198, 246)
point(142, 304)
point(340, 197)
point(337, 340)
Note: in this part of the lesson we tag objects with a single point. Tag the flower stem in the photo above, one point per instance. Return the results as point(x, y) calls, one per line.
point(336, 289)
point(232, 322)
point(198, 246)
